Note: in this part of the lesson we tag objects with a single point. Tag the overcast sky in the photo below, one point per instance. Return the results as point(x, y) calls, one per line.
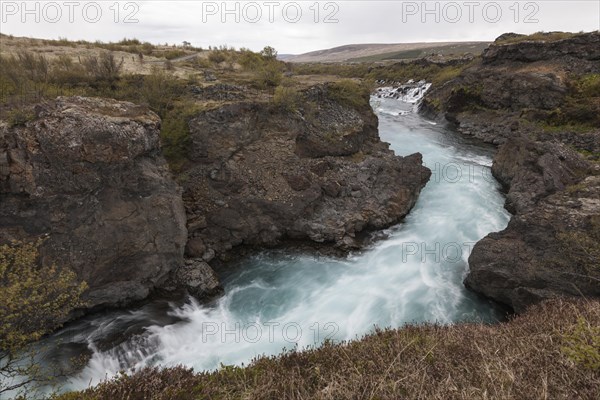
point(293, 27)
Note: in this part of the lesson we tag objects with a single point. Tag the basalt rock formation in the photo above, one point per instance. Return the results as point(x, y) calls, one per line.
point(551, 246)
point(88, 174)
point(262, 175)
point(521, 87)
point(526, 98)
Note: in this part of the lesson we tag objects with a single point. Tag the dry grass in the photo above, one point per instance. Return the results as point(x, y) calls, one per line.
point(535, 356)
point(77, 51)
point(539, 37)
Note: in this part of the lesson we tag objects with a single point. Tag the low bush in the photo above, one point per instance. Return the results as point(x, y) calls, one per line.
point(286, 98)
point(269, 75)
point(34, 300)
point(350, 93)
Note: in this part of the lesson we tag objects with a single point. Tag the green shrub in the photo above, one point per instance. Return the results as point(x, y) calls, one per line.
point(350, 93)
point(175, 133)
point(129, 42)
point(35, 66)
point(159, 90)
point(581, 107)
point(221, 54)
point(105, 67)
point(582, 344)
point(250, 61)
point(286, 98)
point(588, 86)
point(172, 54)
point(269, 75)
point(34, 300)
point(269, 53)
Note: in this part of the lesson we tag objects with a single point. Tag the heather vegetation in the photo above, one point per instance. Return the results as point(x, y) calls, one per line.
point(28, 77)
point(396, 72)
point(582, 105)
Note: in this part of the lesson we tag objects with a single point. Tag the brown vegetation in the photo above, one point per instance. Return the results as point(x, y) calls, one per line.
point(549, 352)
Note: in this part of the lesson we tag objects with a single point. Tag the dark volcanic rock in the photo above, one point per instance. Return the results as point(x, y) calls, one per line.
point(551, 245)
point(88, 174)
point(261, 175)
point(534, 170)
point(550, 250)
point(583, 47)
point(518, 84)
point(198, 278)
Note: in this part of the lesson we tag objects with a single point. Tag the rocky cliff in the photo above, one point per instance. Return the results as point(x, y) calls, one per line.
point(88, 174)
point(262, 175)
point(539, 101)
point(551, 245)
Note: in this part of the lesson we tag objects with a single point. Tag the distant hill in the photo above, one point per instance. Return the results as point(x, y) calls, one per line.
point(285, 57)
point(381, 52)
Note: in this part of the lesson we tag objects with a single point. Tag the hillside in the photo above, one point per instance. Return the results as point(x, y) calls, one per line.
point(392, 51)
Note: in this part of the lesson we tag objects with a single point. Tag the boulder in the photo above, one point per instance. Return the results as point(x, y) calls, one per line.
point(199, 279)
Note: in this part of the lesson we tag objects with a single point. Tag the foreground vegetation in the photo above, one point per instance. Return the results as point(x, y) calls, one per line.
point(34, 300)
point(552, 351)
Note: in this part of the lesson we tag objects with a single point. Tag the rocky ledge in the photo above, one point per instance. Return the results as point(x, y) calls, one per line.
point(538, 101)
point(262, 176)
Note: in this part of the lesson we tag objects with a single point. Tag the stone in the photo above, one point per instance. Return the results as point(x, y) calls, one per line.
point(199, 279)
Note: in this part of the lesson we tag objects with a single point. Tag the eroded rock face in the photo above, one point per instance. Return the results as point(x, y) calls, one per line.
point(534, 170)
point(261, 176)
point(516, 87)
point(552, 249)
point(551, 245)
point(586, 47)
point(88, 174)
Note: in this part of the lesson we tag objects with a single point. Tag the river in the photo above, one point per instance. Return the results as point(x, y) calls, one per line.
point(412, 274)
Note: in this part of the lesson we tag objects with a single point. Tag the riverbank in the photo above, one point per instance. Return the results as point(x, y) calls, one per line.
point(539, 102)
point(535, 354)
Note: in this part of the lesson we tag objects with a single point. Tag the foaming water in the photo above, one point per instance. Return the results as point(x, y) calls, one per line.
point(277, 300)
